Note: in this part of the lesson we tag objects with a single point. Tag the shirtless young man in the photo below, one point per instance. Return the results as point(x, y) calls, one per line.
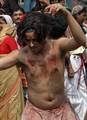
point(43, 62)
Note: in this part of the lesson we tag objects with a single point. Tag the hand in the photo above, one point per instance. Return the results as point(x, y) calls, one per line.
point(2, 2)
point(55, 8)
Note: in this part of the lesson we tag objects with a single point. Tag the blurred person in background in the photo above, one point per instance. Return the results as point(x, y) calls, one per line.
point(11, 94)
point(17, 15)
point(9, 6)
point(76, 87)
point(32, 4)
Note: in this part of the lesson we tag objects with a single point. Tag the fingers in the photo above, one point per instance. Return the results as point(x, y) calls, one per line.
point(47, 9)
point(55, 8)
point(52, 9)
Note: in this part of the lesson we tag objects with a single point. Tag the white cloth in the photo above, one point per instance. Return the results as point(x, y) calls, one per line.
point(8, 19)
point(77, 96)
point(78, 50)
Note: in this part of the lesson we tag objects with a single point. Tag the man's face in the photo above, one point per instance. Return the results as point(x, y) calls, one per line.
point(81, 17)
point(17, 15)
point(32, 42)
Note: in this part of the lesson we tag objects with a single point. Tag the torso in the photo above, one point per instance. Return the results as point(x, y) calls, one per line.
point(46, 78)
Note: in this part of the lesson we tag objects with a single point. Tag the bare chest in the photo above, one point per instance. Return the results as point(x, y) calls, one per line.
point(41, 65)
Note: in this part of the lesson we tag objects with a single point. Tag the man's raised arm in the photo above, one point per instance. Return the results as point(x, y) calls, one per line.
point(75, 28)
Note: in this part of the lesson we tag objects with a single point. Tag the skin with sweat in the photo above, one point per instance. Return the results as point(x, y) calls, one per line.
point(44, 71)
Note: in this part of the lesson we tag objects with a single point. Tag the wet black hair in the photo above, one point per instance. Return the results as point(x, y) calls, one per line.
point(36, 22)
point(44, 25)
point(58, 26)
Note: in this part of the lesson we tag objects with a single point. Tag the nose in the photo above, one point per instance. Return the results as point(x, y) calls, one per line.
point(31, 44)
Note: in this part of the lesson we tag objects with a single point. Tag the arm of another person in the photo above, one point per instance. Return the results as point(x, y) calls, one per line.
point(77, 33)
point(9, 60)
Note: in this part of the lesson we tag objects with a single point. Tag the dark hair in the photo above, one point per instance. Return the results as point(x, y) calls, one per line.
point(58, 26)
point(44, 25)
point(36, 22)
point(19, 8)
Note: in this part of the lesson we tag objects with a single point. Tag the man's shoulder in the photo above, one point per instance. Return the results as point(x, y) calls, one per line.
point(24, 50)
point(61, 43)
point(60, 40)
point(22, 54)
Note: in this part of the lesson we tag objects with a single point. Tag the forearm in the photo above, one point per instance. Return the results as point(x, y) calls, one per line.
point(8, 60)
point(76, 30)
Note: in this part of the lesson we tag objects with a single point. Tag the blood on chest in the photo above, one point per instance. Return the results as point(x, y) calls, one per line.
point(51, 60)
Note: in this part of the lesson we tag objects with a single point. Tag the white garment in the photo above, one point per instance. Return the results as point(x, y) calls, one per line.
point(8, 19)
point(77, 96)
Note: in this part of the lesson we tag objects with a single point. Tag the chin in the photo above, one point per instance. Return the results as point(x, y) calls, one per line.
point(36, 51)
